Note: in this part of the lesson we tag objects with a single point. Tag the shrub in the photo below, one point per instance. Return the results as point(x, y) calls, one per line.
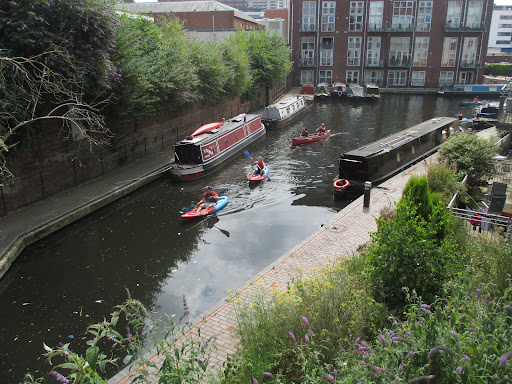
point(443, 180)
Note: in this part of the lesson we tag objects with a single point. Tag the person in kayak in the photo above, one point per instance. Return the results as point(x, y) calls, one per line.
point(210, 197)
point(304, 132)
point(260, 166)
point(321, 129)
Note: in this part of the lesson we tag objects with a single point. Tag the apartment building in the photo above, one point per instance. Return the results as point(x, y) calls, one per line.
point(392, 43)
point(500, 32)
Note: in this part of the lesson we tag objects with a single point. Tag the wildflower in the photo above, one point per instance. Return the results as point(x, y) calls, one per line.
point(487, 302)
point(362, 349)
point(382, 338)
point(459, 370)
point(292, 336)
point(421, 378)
point(129, 335)
point(425, 306)
point(362, 362)
point(254, 381)
point(455, 335)
point(440, 348)
point(465, 357)
point(478, 292)
point(308, 342)
point(267, 374)
point(306, 322)
point(335, 372)
point(356, 341)
point(207, 342)
point(59, 377)
point(401, 366)
point(508, 307)
point(329, 377)
point(505, 357)
point(185, 306)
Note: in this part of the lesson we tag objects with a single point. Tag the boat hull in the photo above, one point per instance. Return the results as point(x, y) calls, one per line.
point(386, 157)
point(221, 203)
point(254, 178)
point(206, 152)
point(310, 138)
point(461, 90)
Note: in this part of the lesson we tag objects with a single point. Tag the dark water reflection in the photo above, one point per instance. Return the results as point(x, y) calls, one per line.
point(75, 277)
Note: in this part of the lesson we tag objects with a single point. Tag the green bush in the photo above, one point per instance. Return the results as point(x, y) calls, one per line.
point(443, 180)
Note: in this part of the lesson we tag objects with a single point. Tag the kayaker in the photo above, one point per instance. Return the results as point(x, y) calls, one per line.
point(210, 197)
point(260, 166)
point(304, 132)
point(476, 99)
point(321, 129)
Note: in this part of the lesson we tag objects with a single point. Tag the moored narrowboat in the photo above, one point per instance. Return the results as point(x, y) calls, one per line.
point(378, 161)
point(212, 144)
point(282, 113)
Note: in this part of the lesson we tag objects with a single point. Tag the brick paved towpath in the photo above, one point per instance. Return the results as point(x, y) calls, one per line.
point(338, 238)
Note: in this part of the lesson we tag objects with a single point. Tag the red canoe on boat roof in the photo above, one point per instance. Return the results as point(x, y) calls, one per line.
point(207, 127)
point(311, 138)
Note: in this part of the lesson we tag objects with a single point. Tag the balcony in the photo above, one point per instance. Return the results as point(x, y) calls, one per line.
point(470, 64)
point(387, 27)
point(374, 63)
point(308, 28)
point(448, 27)
point(305, 63)
point(400, 63)
point(327, 45)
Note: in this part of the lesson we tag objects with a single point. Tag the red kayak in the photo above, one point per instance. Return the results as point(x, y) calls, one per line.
point(311, 138)
point(253, 177)
point(191, 215)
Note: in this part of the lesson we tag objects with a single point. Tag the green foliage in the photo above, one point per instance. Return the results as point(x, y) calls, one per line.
point(85, 35)
point(470, 155)
point(498, 69)
point(414, 249)
point(237, 60)
point(443, 180)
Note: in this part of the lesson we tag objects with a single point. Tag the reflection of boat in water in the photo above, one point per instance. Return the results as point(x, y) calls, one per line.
point(212, 144)
point(338, 90)
point(308, 91)
point(322, 91)
point(377, 161)
point(283, 112)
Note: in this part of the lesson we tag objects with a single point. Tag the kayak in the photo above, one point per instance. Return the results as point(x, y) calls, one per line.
point(221, 203)
point(311, 138)
point(255, 177)
point(207, 127)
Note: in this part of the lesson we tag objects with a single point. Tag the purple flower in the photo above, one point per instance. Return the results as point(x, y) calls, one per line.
point(207, 342)
point(254, 381)
point(487, 302)
point(362, 349)
point(382, 338)
point(335, 372)
point(306, 322)
point(59, 377)
point(459, 370)
point(267, 374)
point(329, 377)
point(292, 336)
point(505, 357)
point(356, 341)
point(465, 357)
point(478, 292)
point(185, 306)
point(455, 335)
point(440, 348)
point(308, 342)
point(508, 307)
point(401, 366)
point(129, 335)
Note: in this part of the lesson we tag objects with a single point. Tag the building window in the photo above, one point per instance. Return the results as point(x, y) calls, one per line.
point(505, 26)
point(507, 42)
point(374, 77)
point(308, 15)
point(466, 78)
point(469, 52)
point(445, 78)
point(449, 52)
point(325, 77)
point(505, 17)
point(328, 14)
point(308, 50)
point(420, 52)
point(306, 77)
point(402, 14)
point(424, 16)
point(399, 51)
point(418, 78)
point(397, 78)
point(375, 15)
point(326, 57)
point(474, 15)
point(354, 51)
point(453, 13)
point(356, 16)
point(373, 51)
point(352, 77)
point(504, 33)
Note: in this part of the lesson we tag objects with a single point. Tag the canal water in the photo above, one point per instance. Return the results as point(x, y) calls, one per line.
point(76, 276)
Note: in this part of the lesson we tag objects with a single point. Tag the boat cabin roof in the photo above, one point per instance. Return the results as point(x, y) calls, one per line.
point(285, 102)
point(389, 143)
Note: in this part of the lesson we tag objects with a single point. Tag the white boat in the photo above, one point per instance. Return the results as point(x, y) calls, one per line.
point(212, 144)
point(338, 90)
point(283, 112)
point(368, 92)
point(322, 91)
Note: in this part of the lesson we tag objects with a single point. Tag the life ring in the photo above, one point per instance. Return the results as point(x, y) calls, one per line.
point(341, 184)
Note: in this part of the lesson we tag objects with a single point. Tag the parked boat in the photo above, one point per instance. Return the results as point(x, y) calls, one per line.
point(372, 91)
point(322, 91)
point(311, 138)
point(377, 161)
point(357, 92)
point(255, 177)
point(472, 90)
point(489, 112)
point(191, 215)
point(308, 91)
point(283, 112)
point(212, 144)
point(339, 90)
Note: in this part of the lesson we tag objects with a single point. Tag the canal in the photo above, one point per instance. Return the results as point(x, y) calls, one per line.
point(74, 278)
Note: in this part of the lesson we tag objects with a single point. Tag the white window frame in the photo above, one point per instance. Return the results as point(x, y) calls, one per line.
point(328, 16)
point(445, 78)
point(453, 13)
point(373, 46)
point(424, 21)
point(309, 16)
point(418, 78)
point(356, 16)
point(352, 77)
point(307, 48)
point(420, 51)
point(402, 14)
point(397, 78)
point(354, 51)
point(399, 50)
point(374, 77)
point(325, 76)
point(326, 57)
point(474, 14)
point(449, 56)
point(375, 15)
point(306, 76)
point(469, 51)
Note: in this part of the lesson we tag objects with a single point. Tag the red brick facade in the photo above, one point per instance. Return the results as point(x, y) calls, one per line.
point(393, 43)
